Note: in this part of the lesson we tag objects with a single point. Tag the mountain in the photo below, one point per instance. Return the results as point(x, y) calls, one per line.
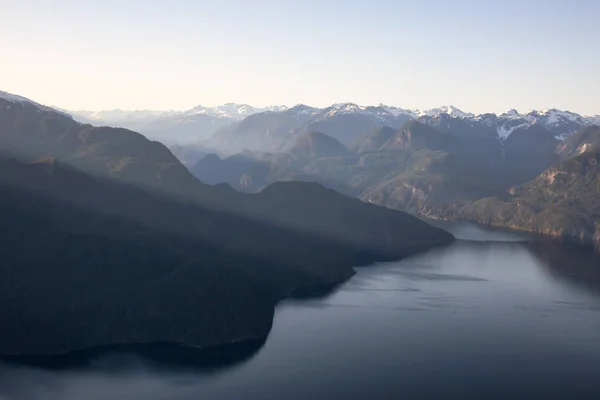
point(562, 124)
point(244, 170)
point(412, 135)
point(31, 131)
point(87, 279)
point(561, 202)
point(454, 136)
point(531, 140)
point(586, 140)
point(276, 131)
point(450, 111)
point(173, 127)
point(269, 131)
point(315, 144)
point(347, 122)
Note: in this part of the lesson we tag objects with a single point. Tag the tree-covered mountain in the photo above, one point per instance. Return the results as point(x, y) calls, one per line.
point(317, 145)
point(241, 170)
point(84, 257)
point(563, 201)
point(277, 131)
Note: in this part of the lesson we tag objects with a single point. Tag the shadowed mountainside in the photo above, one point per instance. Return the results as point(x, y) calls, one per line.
point(563, 202)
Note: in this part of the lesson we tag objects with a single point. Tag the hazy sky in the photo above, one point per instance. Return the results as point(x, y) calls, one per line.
point(480, 56)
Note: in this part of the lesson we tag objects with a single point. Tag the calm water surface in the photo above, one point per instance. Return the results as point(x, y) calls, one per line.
point(491, 316)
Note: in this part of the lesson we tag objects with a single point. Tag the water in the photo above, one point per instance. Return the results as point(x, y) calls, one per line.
point(498, 317)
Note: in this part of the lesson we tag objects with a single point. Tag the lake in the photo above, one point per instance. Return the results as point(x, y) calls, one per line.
point(494, 315)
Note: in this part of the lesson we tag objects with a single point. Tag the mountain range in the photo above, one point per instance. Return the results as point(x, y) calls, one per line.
point(344, 121)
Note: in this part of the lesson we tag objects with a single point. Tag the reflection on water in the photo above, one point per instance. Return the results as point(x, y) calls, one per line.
point(571, 263)
point(472, 320)
point(159, 356)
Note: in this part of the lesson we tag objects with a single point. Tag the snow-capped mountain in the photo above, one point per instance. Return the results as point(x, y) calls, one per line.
point(561, 123)
point(385, 111)
point(448, 110)
point(232, 110)
point(13, 98)
point(382, 114)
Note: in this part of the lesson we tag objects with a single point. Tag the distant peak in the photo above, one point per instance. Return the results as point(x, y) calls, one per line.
point(448, 110)
point(345, 105)
point(511, 113)
point(303, 109)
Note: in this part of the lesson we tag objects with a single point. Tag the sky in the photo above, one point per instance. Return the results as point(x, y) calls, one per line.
point(480, 56)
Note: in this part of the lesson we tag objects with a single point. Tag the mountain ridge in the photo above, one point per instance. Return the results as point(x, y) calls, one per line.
point(241, 110)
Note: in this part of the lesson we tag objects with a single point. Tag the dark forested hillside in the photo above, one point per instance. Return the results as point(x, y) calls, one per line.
point(93, 262)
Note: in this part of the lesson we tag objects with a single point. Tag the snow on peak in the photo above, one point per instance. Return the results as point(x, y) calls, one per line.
point(551, 117)
point(512, 113)
point(505, 130)
point(302, 109)
point(277, 108)
point(346, 108)
point(380, 111)
point(449, 110)
point(231, 110)
point(13, 98)
point(396, 111)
